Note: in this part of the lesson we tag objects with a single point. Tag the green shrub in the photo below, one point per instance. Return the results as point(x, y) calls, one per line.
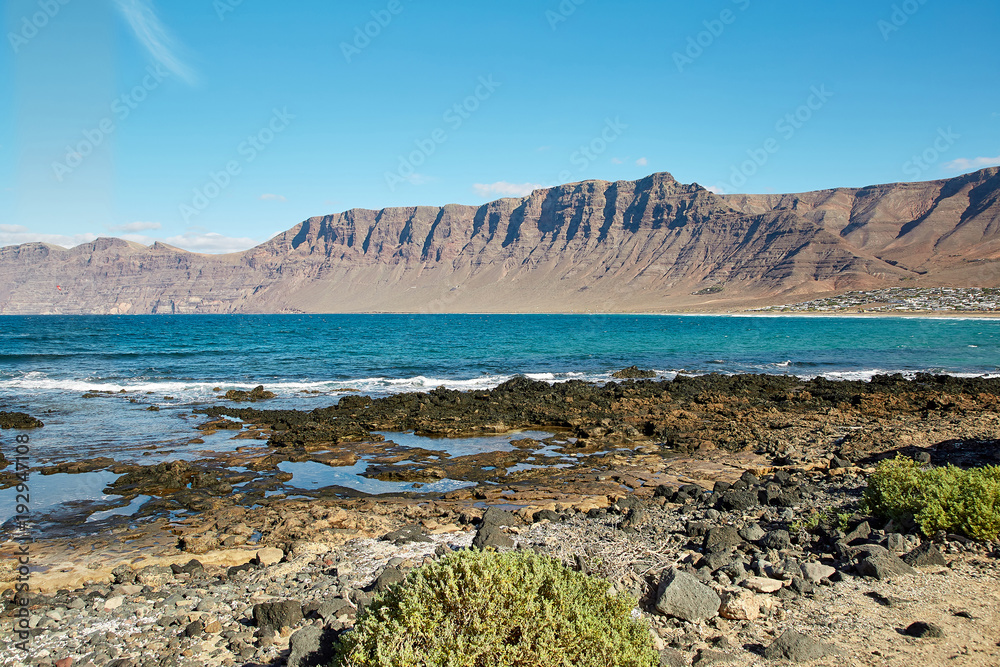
point(487, 609)
point(949, 498)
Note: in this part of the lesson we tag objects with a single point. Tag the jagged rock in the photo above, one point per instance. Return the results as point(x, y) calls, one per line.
point(682, 596)
point(258, 393)
point(19, 420)
point(633, 373)
point(879, 563)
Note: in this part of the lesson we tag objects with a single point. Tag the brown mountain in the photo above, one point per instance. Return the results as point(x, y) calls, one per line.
point(648, 245)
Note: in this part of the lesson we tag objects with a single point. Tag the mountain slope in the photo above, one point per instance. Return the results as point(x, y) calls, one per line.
point(650, 244)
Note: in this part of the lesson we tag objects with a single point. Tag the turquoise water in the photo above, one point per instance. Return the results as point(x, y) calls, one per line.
point(183, 362)
point(177, 364)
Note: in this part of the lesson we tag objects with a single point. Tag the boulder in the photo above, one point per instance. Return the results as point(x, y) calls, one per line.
point(721, 538)
point(777, 540)
point(762, 584)
point(740, 605)
point(682, 596)
point(388, 577)
point(922, 630)
point(927, 554)
point(795, 647)
point(154, 575)
point(269, 556)
point(494, 516)
point(277, 615)
point(816, 572)
point(880, 563)
point(312, 646)
point(752, 533)
point(738, 500)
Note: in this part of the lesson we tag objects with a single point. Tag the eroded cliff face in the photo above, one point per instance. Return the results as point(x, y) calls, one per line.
point(653, 244)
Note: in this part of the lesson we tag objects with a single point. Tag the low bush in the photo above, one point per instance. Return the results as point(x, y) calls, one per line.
point(949, 498)
point(487, 609)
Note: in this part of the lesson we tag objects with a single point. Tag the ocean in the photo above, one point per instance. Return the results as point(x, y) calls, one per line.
point(175, 364)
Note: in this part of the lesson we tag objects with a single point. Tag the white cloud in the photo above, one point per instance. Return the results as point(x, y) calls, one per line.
point(210, 242)
point(150, 31)
point(16, 235)
point(505, 189)
point(642, 162)
point(418, 179)
point(967, 164)
point(617, 160)
point(135, 227)
point(716, 189)
point(270, 197)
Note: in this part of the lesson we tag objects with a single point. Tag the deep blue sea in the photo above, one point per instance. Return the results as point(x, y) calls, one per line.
point(179, 363)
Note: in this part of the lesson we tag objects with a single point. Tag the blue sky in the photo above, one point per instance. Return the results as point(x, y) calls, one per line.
point(215, 124)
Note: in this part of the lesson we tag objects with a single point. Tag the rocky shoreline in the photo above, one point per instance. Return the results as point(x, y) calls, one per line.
point(744, 488)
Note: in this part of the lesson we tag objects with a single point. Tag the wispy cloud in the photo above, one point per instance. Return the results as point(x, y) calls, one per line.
point(134, 227)
point(270, 197)
point(642, 162)
point(716, 189)
point(617, 160)
point(505, 189)
point(972, 164)
point(210, 242)
point(150, 31)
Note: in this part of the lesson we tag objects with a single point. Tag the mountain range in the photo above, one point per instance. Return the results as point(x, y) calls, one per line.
point(652, 245)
